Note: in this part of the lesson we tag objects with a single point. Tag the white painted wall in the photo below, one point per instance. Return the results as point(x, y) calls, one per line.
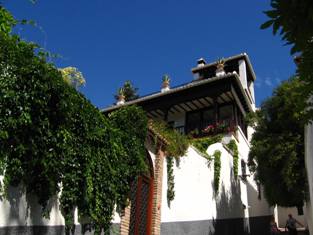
point(19, 211)
point(243, 73)
point(16, 211)
point(282, 216)
point(309, 170)
point(256, 206)
point(194, 194)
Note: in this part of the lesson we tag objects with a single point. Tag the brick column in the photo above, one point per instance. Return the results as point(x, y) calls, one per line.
point(157, 193)
point(125, 219)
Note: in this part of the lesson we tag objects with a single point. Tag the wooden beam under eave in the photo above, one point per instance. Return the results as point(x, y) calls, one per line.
point(154, 114)
point(195, 104)
point(186, 107)
point(176, 109)
point(191, 105)
point(228, 94)
point(209, 101)
point(187, 95)
point(203, 102)
point(182, 107)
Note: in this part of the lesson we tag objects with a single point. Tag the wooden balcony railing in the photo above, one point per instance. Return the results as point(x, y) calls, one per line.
point(224, 126)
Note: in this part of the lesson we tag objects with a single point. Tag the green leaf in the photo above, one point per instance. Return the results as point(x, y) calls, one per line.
point(276, 26)
point(271, 14)
point(267, 24)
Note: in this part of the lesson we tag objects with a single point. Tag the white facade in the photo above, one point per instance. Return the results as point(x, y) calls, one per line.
point(195, 199)
point(309, 171)
point(17, 211)
point(238, 206)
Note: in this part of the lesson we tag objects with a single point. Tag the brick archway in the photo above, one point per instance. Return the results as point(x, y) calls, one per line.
point(142, 216)
point(141, 202)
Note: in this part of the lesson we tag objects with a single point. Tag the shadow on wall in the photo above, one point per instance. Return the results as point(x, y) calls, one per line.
point(259, 225)
point(229, 212)
point(21, 212)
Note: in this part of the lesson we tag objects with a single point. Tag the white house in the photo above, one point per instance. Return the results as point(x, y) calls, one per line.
point(222, 92)
point(220, 96)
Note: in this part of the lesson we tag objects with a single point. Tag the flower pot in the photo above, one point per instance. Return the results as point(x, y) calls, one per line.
point(121, 100)
point(165, 86)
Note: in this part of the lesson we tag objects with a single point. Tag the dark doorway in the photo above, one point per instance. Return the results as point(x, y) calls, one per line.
point(141, 202)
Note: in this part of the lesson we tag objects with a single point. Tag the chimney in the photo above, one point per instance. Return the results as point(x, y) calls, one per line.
point(201, 62)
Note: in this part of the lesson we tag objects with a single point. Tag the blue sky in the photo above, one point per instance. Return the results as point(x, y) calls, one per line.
point(111, 41)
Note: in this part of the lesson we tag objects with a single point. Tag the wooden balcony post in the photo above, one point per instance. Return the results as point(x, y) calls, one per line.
point(215, 110)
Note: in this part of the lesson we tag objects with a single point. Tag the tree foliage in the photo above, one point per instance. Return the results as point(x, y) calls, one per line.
point(73, 76)
point(129, 91)
point(293, 19)
point(53, 140)
point(277, 147)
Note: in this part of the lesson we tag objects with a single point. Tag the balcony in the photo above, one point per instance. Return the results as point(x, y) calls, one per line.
point(199, 130)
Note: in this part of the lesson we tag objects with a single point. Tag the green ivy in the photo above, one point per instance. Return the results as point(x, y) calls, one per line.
point(234, 148)
point(170, 181)
point(202, 144)
point(176, 143)
point(217, 170)
point(176, 147)
point(53, 140)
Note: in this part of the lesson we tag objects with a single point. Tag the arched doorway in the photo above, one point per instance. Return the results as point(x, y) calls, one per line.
point(141, 202)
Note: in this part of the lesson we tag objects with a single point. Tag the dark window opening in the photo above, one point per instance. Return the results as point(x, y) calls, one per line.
point(171, 124)
point(243, 170)
point(141, 202)
point(193, 122)
point(226, 114)
point(207, 119)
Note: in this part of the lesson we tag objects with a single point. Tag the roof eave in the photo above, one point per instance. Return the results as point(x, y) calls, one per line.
point(173, 90)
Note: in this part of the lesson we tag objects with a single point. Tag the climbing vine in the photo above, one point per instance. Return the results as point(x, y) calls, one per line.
point(233, 147)
point(176, 146)
point(176, 143)
point(53, 140)
point(202, 144)
point(217, 170)
point(170, 181)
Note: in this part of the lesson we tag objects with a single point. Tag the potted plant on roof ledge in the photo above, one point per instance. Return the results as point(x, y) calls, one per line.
point(220, 68)
point(165, 83)
point(121, 97)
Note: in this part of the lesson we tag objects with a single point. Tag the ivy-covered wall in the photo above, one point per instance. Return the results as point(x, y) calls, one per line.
point(208, 199)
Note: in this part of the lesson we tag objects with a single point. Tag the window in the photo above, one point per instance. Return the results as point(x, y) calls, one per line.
point(243, 168)
point(196, 121)
point(193, 122)
point(226, 113)
point(208, 117)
